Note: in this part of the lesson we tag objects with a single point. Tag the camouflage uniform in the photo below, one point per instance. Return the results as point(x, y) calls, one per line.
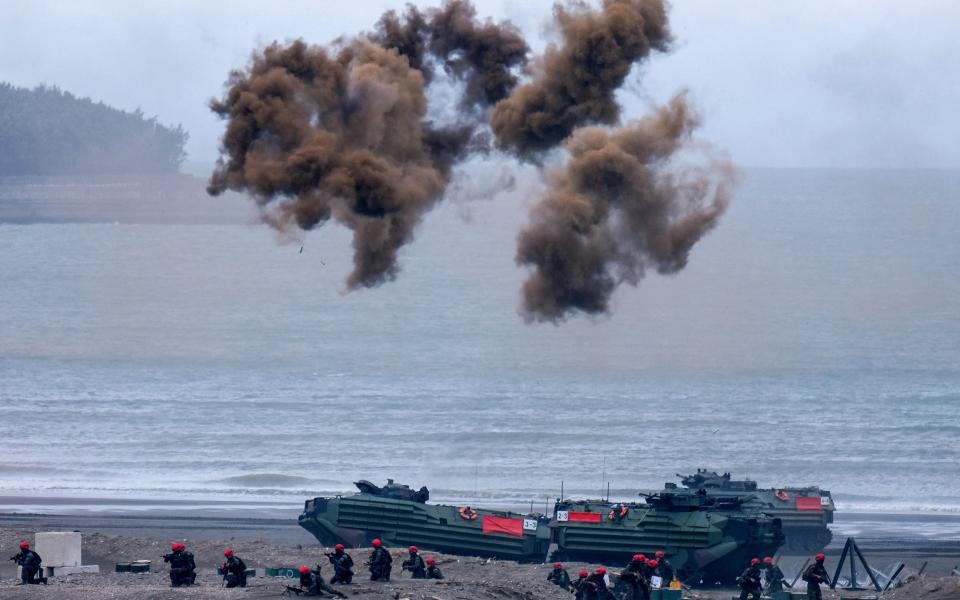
point(380, 564)
point(29, 562)
point(433, 572)
point(775, 579)
point(814, 574)
point(750, 583)
point(415, 565)
point(342, 567)
point(559, 577)
point(635, 576)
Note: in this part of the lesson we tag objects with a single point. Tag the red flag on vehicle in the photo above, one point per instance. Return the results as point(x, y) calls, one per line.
point(493, 524)
point(585, 517)
point(808, 503)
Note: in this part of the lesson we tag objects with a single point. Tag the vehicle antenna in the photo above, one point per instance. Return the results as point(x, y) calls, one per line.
point(561, 490)
point(603, 475)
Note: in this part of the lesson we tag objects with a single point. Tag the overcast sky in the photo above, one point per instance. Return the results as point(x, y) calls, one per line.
point(823, 83)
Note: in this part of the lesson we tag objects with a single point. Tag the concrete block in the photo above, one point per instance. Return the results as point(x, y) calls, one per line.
point(59, 548)
point(60, 571)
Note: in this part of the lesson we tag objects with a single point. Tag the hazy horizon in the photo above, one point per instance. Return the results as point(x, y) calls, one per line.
point(781, 85)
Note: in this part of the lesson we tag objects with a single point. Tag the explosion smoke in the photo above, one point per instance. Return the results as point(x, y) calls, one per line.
point(616, 210)
point(316, 133)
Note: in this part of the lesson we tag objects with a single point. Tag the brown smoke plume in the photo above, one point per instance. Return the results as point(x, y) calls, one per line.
point(576, 82)
point(315, 135)
point(617, 209)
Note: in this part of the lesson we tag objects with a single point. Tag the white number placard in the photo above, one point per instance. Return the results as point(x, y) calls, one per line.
point(563, 515)
point(530, 524)
point(656, 582)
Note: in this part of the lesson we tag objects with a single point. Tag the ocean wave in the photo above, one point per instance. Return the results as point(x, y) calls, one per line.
point(266, 480)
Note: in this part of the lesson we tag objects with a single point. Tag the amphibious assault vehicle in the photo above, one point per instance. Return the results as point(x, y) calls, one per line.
point(805, 512)
point(707, 539)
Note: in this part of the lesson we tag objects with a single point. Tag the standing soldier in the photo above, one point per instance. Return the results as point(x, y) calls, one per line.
point(380, 562)
point(234, 570)
point(342, 565)
point(183, 570)
point(414, 564)
point(559, 576)
point(665, 569)
point(634, 576)
point(775, 576)
point(750, 581)
point(579, 586)
point(814, 575)
point(433, 571)
point(29, 562)
point(596, 585)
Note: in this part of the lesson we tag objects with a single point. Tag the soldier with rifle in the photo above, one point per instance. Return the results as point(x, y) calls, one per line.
point(635, 578)
point(559, 576)
point(183, 569)
point(414, 564)
point(342, 565)
point(579, 586)
point(664, 568)
point(750, 581)
point(775, 576)
point(380, 562)
point(234, 571)
point(814, 575)
point(433, 571)
point(595, 586)
point(312, 584)
point(29, 562)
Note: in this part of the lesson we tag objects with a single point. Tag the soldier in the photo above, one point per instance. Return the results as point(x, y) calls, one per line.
point(183, 570)
point(653, 566)
point(312, 584)
point(29, 562)
point(814, 575)
point(342, 565)
point(559, 576)
point(595, 587)
point(750, 581)
point(433, 571)
point(634, 577)
point(579, 586)
point(234, 570)
point(775, 576)
point(414, 564)
point(664, 568)
point(380, 562)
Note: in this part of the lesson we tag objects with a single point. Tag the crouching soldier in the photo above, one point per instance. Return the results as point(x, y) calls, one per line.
point(234, 571)
point(183, 569)
point(29, 562)
point(559, 576)
point(312, 584)
point(342, 565)
point(414, 564)
point(579, 586)
point(433, 571)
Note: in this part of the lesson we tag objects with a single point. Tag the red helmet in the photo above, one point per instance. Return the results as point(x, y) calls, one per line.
point(177, 546)
point(304, 570)
point(652, 563)
point(754, 561)
point(338, 547)
point(660, 554)
point(24, 545)
point(431, 560)
point(821, 557)
point(601, 571)
point(414, 549)
point(584, 573)
point(376, 543)
point(557, 565)
point(228, 552)
point(638, 558)
point(767, 560)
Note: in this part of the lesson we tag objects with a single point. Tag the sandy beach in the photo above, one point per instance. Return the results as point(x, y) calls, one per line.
point(269, 539)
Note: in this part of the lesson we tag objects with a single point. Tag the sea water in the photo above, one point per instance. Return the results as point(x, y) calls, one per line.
point(814, 339)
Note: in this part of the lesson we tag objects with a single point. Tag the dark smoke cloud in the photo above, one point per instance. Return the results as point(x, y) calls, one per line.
point(576, 82)
point(316, 134)
point(617, 209)
point(343, 133)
